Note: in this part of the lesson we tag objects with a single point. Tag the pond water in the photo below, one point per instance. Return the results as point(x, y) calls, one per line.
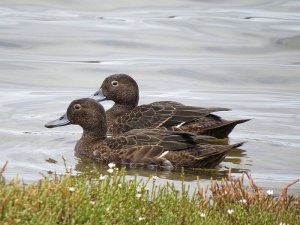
point(243, 56)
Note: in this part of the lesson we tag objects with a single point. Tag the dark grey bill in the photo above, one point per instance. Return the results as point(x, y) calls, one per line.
point(62, 121)
point(98, 96)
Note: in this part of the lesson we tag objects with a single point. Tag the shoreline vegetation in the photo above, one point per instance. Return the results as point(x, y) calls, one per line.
point(93, 198)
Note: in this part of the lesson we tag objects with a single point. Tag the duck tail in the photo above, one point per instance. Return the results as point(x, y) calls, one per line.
point(240, 121)
point(193, 138)
point(222, 131)
point(216, 156)
point(237, 145)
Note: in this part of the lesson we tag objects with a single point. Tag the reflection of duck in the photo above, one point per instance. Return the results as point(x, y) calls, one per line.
point(146, 146)
point(235, 157)
point(87, 165)
point(125, 115)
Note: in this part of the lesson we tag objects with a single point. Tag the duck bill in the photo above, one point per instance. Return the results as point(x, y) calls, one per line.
point(62, 121)
point(98, 96)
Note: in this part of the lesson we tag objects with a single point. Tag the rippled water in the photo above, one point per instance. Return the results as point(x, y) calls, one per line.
point(243, 56)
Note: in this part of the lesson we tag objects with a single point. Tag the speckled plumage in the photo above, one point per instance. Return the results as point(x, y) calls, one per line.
point(125, 115)
point(159, 147)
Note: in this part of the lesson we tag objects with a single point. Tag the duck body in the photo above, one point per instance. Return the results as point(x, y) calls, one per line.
point(126, 115)
point(171, 115)
point(161, 147)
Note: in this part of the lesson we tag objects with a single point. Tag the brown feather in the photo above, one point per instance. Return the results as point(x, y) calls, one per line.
point(159, 147)
point(125, 115)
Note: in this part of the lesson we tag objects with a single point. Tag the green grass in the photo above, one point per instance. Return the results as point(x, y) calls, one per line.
point(92, 199)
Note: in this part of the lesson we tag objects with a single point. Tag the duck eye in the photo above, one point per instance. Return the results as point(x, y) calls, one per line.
point(115, 83)
point(77, 107)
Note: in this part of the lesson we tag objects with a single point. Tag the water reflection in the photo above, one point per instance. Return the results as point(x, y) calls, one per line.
point(235, 156)
point(190, 174)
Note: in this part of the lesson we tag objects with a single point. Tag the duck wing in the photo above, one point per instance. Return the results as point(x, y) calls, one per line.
point(207, 156)
point(143, 116)
point(187, 114)
point(148, 145)
point(211, 125)
point(159, 114)
point(167, 148)
point(168, 140)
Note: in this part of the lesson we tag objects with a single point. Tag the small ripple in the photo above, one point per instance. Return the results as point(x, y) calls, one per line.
point(111, 19)
point(88, 61)
point(267, 18)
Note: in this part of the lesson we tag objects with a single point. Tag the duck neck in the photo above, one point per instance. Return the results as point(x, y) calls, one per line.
point(87, 141)
point(92, 135)
point(118, 110)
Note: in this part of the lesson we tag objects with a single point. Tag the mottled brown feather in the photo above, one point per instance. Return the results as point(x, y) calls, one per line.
point(125, 115)
point(159, 147)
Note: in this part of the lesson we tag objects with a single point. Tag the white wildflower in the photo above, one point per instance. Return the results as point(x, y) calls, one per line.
point(270, 192)
point(119, 185)
point(141, 218)
point(110, 170)
point(71, 189)
point(202, 215)
point(102, 177)
point(230, 211)
point(138, 195)
point(243, 201)
point(111, 165)
point(107, 209)
point(93, 203)
point(155, 177)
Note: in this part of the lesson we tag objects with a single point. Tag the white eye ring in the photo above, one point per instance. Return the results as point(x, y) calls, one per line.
point(114, 83)
point(77, 107)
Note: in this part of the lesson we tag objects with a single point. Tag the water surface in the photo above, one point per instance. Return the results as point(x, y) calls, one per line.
point(243, 56)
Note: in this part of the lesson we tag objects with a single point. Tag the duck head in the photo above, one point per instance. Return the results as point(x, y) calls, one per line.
point(120, 88)
point(85, 112)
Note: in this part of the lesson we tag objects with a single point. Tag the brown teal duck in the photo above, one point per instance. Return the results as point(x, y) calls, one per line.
point(125, 115)
point(159, 147)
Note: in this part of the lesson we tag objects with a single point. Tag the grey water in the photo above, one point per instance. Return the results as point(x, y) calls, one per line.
point(243, 55)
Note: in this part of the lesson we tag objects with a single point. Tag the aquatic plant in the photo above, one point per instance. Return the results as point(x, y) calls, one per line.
point(94, 198)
